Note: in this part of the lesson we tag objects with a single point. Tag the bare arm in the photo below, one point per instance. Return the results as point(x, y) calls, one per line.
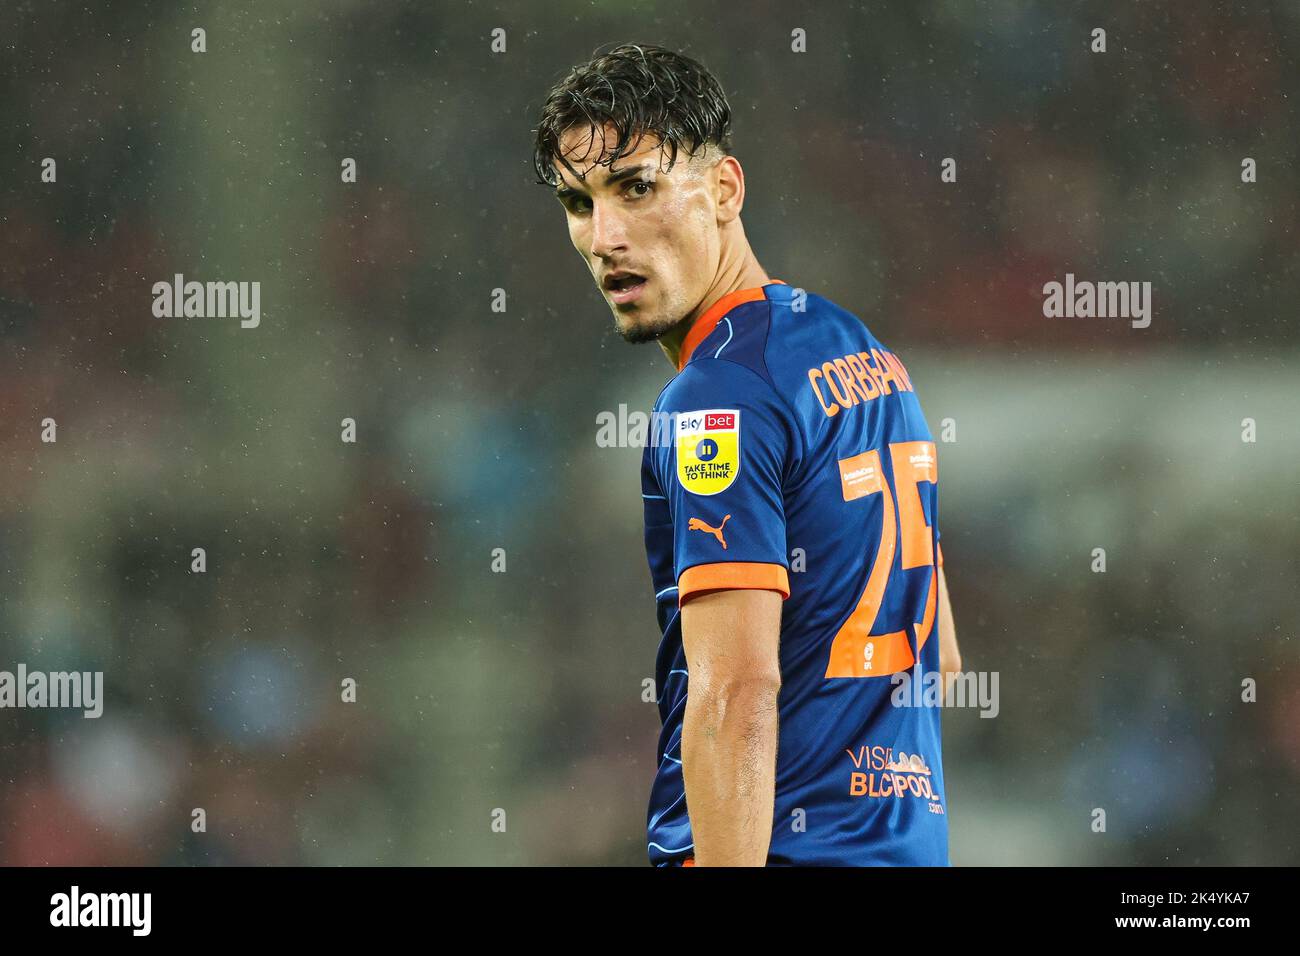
point(729, 730)
point(949, 655)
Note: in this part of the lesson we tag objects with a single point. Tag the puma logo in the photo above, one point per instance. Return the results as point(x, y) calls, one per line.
point(698, 524)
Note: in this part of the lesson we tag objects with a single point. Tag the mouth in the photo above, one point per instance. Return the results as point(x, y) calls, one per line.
point(624, 287)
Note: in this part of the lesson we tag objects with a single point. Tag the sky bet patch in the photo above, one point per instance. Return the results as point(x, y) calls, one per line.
point(708, 450)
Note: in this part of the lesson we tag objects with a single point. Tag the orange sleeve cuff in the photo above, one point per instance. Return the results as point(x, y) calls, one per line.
point(732, 575)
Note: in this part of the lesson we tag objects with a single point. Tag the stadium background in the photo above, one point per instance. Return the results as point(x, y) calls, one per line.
point(476, 429)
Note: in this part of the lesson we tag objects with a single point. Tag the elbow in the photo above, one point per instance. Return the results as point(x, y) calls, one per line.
point(753, 688)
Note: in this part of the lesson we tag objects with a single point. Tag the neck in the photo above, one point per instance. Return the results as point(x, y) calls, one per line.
point(743, 273)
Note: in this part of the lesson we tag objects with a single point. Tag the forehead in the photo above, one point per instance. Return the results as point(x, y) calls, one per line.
point(583, 147)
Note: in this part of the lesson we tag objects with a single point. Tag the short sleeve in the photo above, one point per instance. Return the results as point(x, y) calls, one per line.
point(723, 476)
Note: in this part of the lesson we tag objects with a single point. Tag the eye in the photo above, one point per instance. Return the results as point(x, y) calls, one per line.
point(641, 182)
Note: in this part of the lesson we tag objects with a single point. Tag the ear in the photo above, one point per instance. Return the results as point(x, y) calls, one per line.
point(730, 188)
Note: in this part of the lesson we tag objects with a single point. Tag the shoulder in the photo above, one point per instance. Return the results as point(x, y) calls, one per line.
point(790, 325)
point(742, 336)
point(710, 380)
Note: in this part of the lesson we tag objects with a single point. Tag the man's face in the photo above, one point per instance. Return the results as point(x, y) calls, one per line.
point(660, 227)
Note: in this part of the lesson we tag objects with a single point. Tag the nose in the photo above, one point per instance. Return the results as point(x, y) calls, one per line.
point(607, 235)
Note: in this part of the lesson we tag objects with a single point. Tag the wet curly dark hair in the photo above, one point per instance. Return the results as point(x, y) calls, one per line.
point(639, 88)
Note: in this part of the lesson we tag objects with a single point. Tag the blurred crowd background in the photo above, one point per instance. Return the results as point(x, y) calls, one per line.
point(518, 696)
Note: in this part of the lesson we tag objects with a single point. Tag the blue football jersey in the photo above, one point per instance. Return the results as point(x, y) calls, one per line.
point(790, 453)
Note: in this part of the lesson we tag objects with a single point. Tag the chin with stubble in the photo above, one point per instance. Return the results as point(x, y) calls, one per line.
point(647, 330)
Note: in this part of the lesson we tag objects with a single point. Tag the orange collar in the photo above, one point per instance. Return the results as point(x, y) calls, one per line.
point(707, 322)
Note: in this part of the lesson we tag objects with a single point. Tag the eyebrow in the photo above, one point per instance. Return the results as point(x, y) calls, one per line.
point(564, 192)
